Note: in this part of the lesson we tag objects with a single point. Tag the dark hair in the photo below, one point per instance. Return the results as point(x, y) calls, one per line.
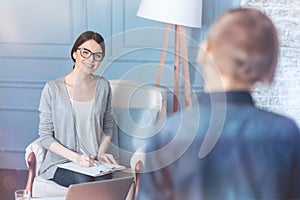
point(85, 36)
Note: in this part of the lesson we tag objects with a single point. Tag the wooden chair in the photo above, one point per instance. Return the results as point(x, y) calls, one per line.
point(140, 97)
point(38, 186)
point(31, 160)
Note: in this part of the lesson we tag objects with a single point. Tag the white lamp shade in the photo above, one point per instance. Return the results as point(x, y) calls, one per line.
point(180, 12)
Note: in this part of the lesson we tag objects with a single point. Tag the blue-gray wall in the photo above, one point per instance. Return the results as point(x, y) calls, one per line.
point(35, 41)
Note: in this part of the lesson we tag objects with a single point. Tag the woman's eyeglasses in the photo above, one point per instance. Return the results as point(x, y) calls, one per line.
point(85, 53)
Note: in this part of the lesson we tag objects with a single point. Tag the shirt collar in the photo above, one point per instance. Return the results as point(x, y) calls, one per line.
point(235, 97)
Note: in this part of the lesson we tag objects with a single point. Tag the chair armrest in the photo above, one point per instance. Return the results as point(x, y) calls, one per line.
point(34, 156)
point(39, 152)
point(138, 156)
point(138, 170)
point(31, 161)
point(137, 164)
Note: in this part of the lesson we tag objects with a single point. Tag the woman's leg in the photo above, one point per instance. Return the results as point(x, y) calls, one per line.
point(66, 177)
point(104, 177)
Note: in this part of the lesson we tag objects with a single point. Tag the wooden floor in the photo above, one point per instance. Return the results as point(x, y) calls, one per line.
point(11, 180)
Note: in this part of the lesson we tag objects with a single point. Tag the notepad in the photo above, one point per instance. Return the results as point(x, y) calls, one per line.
point(100, 169)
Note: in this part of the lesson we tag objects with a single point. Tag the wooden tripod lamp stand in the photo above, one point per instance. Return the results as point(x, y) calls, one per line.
point(181, 14)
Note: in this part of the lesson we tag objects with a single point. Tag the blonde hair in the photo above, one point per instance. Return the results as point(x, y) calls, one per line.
point(246, 43)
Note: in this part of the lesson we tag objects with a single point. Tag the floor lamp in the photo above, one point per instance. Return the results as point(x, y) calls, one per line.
point(181, 14)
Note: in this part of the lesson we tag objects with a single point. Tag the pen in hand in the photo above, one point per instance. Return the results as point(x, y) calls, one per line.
point(86, 154)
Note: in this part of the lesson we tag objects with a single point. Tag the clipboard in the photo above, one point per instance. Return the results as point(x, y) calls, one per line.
point(100, 169)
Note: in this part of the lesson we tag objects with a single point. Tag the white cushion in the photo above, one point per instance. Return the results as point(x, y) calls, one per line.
point(46, 188)
point(138, 94)
point(136, 107)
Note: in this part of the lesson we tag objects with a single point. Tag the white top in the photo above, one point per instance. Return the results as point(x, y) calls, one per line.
point(86, 133)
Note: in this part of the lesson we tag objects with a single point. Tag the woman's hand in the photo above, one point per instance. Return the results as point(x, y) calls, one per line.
point(80, 159)
point(107, 158)
point(84, 160)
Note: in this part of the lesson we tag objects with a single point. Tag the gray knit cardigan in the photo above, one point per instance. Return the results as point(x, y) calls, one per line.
point(57, 122)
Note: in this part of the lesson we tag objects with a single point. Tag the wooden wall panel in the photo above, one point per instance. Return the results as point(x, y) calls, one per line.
point(35, 41)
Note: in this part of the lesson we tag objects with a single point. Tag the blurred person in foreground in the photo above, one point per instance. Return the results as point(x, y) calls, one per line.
point(225, 147)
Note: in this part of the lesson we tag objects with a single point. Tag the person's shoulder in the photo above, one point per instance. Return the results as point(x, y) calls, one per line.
point(54, 83)
point(277, 121)
point(101, 78)
point(175, 134)
point(275, 117)
point(186, 113)
point(57, 81)
point(102, 81)
point(180, 125)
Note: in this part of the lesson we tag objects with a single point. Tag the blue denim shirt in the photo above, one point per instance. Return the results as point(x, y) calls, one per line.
point(223, 148)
